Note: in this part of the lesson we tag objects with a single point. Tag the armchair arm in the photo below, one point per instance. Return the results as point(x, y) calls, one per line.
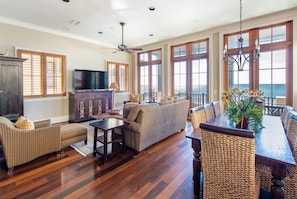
point(20, 146)
point(42, 123)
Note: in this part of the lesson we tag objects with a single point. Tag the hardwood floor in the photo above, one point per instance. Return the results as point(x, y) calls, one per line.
point(161, 171)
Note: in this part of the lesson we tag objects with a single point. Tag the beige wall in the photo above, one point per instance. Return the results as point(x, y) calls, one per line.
point(82, 54)
point(79, 54)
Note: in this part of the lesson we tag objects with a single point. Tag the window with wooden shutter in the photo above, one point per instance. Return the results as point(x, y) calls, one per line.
point(118, 72)
point(43, 74)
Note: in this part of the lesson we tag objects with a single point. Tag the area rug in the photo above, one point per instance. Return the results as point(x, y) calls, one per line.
point(86, 149)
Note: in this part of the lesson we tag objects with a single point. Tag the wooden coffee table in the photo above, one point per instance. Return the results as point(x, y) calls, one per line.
point(112, 142)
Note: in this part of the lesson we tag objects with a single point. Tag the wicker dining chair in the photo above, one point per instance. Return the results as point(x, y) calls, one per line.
point(291, 178)
point(228, 161)
point(217, 108)
point(284, 115)
point(209, 111)
point(287, 118)
point(197, 115)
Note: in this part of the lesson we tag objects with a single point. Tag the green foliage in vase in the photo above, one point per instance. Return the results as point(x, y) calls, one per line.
point(241, 103)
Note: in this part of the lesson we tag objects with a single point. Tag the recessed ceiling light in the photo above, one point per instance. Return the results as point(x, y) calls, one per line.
point(152, 8)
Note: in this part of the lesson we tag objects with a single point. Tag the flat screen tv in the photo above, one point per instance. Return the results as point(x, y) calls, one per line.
point(89, 79)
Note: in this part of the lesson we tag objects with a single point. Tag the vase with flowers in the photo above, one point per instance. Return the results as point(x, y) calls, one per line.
point(244, 107)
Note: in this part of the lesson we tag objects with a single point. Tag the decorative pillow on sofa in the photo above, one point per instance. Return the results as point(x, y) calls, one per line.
point(24, 123)
point(19, 122)
point(134, 98)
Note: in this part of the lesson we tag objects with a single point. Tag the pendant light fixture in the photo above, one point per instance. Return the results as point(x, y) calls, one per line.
point(241, 58)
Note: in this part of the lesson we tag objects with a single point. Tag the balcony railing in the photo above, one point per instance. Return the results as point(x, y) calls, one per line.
point(272, 106)
point(196, 99)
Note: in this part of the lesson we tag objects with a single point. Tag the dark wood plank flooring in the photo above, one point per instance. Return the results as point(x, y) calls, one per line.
point(161, 171)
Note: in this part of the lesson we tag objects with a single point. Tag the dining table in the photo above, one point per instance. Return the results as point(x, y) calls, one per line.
point(272, 149)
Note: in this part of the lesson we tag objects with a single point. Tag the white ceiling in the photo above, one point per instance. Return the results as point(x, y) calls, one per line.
point(83, 19)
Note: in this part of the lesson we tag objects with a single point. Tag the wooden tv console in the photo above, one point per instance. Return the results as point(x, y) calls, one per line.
point(83, 105)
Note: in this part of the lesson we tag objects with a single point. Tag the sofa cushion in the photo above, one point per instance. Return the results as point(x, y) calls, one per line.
point(136, 109)
point(127, 108)
point(72, 130)
point(161, 103)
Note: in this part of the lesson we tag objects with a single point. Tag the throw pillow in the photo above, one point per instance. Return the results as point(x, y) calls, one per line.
point(19, 122)
point(27, 125)
point(134, 98)
point(24, 123)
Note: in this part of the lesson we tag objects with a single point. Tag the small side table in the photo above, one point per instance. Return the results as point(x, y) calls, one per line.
point(112, 142)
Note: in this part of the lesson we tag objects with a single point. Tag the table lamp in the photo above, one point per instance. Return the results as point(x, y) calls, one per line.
point(114, 86)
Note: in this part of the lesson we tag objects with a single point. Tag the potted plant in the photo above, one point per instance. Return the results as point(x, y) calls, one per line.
point(244, 107)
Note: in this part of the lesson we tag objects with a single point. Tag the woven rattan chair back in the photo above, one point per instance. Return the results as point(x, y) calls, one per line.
point(217, 108)
point(287, 121)
point(209, 111)
point(284, 115)
point(228, 161)
point(291, 179)
point(197, 116)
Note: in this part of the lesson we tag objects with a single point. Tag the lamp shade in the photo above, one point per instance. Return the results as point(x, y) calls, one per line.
point(114, 85)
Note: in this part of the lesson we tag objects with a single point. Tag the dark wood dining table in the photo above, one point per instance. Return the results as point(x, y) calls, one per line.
point(271, 149)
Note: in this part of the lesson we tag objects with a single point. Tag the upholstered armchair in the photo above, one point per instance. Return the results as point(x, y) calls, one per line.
point(21, 146)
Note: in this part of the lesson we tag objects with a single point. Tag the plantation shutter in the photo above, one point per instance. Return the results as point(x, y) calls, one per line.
point(32, 74)
point(43, 74)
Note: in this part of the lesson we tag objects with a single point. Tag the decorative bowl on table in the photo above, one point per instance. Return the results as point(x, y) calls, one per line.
point(114, 112)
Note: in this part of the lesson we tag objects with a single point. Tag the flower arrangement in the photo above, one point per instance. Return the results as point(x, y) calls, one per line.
point(243, 105)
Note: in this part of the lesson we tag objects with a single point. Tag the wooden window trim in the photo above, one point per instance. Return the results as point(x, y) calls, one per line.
point(43, 73)
point(254, 73)
point(117, 65)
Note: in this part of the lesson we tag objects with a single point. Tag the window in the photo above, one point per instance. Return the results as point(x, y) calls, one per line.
point(272, 71)
point(150, 74)
point(43, 74)
point(190, 71)
point(118, 72)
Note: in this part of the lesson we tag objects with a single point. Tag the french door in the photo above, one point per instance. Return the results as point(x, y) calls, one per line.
point(190, 72)
point(190, 80)
point(150, 74)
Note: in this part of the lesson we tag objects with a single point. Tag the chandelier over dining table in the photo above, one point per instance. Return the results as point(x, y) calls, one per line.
point(241, 58)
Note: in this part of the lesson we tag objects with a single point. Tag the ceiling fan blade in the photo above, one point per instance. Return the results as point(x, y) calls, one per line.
point(130, 51)
point(136, 49)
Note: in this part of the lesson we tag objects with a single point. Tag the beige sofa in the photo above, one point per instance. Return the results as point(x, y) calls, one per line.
point(151, 123)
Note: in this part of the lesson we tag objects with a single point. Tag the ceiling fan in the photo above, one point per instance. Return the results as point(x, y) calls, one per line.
point(124, 48)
